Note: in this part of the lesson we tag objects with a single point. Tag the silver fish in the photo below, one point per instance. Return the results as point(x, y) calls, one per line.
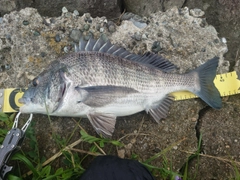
point(101, 81)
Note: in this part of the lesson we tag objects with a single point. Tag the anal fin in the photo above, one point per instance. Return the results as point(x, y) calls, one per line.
point(161, 110)
point(104, 124)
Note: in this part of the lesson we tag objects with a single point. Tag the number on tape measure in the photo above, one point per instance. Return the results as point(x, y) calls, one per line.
point(227, 84)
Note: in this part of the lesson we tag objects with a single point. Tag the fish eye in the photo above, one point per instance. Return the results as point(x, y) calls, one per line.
point(35, 82)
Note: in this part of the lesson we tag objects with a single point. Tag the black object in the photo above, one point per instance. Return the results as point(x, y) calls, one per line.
point(114, 168)
point(12, 143)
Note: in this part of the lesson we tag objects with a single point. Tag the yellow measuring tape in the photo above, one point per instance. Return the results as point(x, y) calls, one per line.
point(227, 84)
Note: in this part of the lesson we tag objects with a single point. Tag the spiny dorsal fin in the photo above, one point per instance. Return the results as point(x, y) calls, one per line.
point(149, 59)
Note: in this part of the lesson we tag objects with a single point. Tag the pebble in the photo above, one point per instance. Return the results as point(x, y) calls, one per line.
point(137, 36)
point(175, 147)
point(66, 49)
point(36, 33)
point(121, 153)
point(75, 35)
point(138, 24)
point(89, 20)
point(224, 40)
point(105, 21)
point(87, 15)
point(68, 14)
point(227, 146)
point(216, 41)
point(64, 10)
point(156, 47)
point(86, 27)
point(197, 12)
point(75, 13)
point(88, 36)
point(112, 28)
point(43, 54)
point(7, 66)
point(104, 37)
point(8, 36)
point(204, 23)
point(164, 23)
point(135, 19)
point(47, 21)
point(25, 23)
point(184, 11)
point(52, 20)
point(98, 26)
point(144, 36)
point(1, 20)
point(57, 38)
point(101, 29)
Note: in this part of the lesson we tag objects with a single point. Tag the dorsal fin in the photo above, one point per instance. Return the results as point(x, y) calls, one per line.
point(149, 59)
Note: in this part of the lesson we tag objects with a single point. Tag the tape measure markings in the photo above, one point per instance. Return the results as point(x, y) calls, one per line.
point(227, 84)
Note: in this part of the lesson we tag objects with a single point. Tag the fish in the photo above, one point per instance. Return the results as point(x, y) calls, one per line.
point(102, 81)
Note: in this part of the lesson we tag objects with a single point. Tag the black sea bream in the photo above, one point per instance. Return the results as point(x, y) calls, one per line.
point(101, 81)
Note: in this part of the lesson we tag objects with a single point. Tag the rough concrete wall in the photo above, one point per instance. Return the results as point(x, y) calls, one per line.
point(224, 15)
point(146, 7)
point(110, 9)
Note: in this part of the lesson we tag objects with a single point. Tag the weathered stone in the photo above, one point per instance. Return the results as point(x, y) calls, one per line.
point(75, 35)
point(145, 7)
point(7, 6)
point(225, 17)
point(110, 9)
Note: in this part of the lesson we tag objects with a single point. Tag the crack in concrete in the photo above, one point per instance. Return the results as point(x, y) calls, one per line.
point(198, 126)
point(200, 141)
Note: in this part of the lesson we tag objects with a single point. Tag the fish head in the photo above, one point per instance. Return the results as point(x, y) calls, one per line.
point(44, 93)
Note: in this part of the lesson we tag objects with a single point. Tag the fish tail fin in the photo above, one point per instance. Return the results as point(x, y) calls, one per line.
point(208, 92)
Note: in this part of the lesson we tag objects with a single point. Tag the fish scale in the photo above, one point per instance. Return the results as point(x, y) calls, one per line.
point(117, 70)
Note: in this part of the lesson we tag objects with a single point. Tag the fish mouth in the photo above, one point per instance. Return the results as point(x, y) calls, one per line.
point(22, 101)
point(27, 96)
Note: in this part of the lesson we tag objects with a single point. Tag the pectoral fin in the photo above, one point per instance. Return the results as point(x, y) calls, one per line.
point(98, 96)
point(161, 110)
point(104, 124)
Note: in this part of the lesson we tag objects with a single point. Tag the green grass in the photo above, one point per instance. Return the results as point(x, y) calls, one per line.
point(31, 165)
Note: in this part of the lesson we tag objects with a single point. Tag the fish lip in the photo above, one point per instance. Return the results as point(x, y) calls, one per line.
point(24, 100)
point(21, 101)
point(27, 96)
